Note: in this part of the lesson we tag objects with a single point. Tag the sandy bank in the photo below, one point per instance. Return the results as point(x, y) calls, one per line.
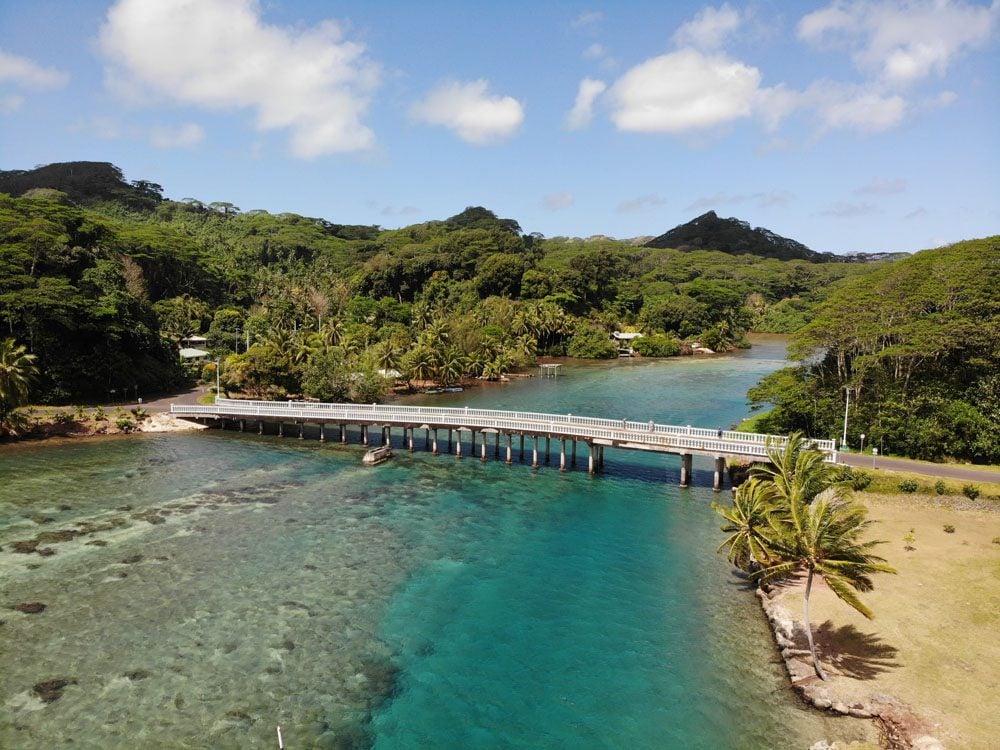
point(926, 668)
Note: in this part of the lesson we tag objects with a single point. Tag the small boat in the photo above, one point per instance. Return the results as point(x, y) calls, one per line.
point(377, 455)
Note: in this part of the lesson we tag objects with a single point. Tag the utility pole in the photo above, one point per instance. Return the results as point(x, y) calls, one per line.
point(847, 390)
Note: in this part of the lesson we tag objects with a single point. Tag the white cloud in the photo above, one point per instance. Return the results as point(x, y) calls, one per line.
point(880, 186)
point(180, 136)
point(587, 18)
point(682, 91)
point(709, 28)
point(28, 74)
point(471, 111)
point(220, 55)
point(643, 201)
point(595, 51)
point(847, 106)
point(583, 108)
point(901, 41)
point(555, 201)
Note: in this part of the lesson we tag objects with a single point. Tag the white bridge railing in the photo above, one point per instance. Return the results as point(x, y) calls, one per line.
point(618, 433)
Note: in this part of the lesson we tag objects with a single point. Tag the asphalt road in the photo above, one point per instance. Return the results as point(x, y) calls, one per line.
point(163, 404)
point(945, 471)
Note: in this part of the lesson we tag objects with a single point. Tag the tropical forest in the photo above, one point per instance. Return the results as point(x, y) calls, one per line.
point(102, 280)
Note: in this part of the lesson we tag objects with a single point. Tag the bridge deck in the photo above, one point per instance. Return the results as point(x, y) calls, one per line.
point(646, 436)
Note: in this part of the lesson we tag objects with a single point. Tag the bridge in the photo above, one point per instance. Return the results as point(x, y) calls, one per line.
point(465, 424)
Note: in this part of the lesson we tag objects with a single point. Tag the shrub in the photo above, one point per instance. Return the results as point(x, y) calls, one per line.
point(939, 487)
point(860, 481)
point(908, 541)
point(99, 414)
point(970, 491)
point(590, 342)
point(139, 414)
point(949, 529)
point(62, 417)
point(125, 424)
point(80, 413)
point(657, 346)
point(908, 485)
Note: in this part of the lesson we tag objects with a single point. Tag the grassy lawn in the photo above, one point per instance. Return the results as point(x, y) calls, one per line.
point(934, 641)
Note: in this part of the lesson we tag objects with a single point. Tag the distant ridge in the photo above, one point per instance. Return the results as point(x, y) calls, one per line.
point(709, 232)
point(83, 182)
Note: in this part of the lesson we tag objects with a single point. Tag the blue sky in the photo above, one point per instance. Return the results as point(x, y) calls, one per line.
point(853, 125)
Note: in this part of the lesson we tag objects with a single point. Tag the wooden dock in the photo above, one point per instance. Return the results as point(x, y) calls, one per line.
point(482, 426)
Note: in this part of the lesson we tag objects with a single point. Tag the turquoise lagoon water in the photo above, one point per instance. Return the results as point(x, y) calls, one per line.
point(242, 582)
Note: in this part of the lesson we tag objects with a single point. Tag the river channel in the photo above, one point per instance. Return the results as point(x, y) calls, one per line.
point(204, 588)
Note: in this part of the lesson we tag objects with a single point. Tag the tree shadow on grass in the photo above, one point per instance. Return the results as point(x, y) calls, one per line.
point(862, 656)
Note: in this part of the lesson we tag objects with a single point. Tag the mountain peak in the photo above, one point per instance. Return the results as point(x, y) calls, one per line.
point(734, 236)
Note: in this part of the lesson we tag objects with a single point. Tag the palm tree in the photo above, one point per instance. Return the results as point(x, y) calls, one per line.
point(451, 367)
point(748, 525)
point(824, 538)
point(811, 527)
point(17, 369)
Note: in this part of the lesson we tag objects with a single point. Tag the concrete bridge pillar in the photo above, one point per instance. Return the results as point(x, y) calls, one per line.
point(343, 432)
point(522, 448)
point(410, 438)
point(281, 429)
point(302, 427)
point(496, 451)
point(510, 447)
point(482, 455)
point(364, 434)
point(449, 440)
point(591, 463)
point(548, 443)
point(427, 438)
point(685, 470)
point(322, 432)
point(720, 469)
point(458, 443)
point(386, 435)
point(562, 455)
point(534, 452)
point(434, 450)
point(260, 426)
point(243, 425)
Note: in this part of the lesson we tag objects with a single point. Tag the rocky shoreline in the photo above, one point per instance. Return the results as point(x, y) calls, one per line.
point(898, 727)
point(53, 430)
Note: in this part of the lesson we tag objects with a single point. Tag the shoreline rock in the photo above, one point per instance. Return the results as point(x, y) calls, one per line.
point(898, 726)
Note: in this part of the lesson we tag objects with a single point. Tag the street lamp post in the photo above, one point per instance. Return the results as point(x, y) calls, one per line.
point(862, 448)
point(847, 406)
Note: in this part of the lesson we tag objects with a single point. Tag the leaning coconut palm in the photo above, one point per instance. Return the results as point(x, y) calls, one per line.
point(813, 528)
point(748, 525)
point(824, 538)
point(17, 369)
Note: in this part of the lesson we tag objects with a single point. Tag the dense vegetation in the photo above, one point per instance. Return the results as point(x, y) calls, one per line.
point(917, 345)
point(100, 278)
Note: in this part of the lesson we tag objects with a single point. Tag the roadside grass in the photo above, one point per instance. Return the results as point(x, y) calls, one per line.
point(887, 482)
point(206, 398)
point(933, 643)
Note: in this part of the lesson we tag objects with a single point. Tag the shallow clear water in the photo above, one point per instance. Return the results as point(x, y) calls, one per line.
point(245, 582)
